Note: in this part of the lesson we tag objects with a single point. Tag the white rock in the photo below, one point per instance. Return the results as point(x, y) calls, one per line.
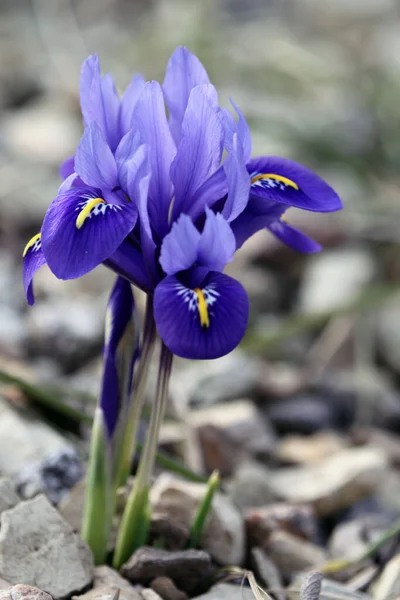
point(38, 547)
point(388, 585)
point(223, 535)
point(227, 591)
point(26, 438)
point(106, 582)
point(8, 496)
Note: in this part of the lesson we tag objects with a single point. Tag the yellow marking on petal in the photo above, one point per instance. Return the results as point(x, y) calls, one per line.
point(86, 210)
point(202, 307)
point(31, 243)
point(280, 178)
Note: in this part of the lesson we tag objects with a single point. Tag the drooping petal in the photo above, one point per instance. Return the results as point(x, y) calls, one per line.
point(257, 215)
point(200, 151)
point(201, 323)
point(294, 238)
point(81, 230)
point(149, 118)
point(217, 243)
point(179, 247)
point(238, 181)
point(184, 72)
point(94, 161)
point(121, 350)
point(33, 259)
point(239, 127)
point(127, 261)
point(128, 102)
point(67, 167)
point(283, 180)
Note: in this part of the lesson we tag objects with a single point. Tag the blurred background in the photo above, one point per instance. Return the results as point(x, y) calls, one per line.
point(316, 379)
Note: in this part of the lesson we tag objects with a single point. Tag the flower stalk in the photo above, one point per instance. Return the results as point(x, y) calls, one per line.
point(135, 521)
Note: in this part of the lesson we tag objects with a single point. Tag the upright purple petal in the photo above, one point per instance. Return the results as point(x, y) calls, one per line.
point(67, 167)
point(283, 180)
point(81, 230)
point(149, 118)
point(239, 127)
point(217, 243)
point(94, 161)
point(179, 247)
point(205, 322)
point(294, 238)
point(33, 259)
point(110, 102)
point(212, 190)
point(238, 181)
point(200, 151)
point(128, 102)
point(184, 72)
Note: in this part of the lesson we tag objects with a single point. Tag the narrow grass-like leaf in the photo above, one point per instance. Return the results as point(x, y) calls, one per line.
point(203, 510)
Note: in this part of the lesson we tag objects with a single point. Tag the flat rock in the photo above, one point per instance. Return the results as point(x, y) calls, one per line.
point(23, 592)
point(302, 414)
point(106, 582)
point(387, 587)
point(296, 519)
point(334, 483)
point(351, 539)
point(223, 535)
point(227, 591)
point(329, 590)
point(166, 588)
point(37, 546)
point(230, 431)
point(30, 439)
point(309, 449)
point(292, 554)
point(8, 496)
point(251, 487)
point(186, 568)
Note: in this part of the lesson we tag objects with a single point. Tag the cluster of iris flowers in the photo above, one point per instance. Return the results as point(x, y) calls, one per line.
point(162, 189)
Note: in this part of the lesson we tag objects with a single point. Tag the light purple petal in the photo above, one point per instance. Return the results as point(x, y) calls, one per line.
point(300, 187)
point(238, 181)
point(72, 180)
point(81, 230)
point(294, 238)
point(94, 161)
point(128, 103)
point(184, 72)
point(124, 156)
point(200, 151)
point(67, 167)
point(239, 127)
point(33, 260)
point(150, 120)
point(205, 322)
point(110, 103)
point(217, 244)
point(179, 247)
point(212, 190)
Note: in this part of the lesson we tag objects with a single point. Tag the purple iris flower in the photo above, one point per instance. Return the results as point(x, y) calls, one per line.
point(152, 198)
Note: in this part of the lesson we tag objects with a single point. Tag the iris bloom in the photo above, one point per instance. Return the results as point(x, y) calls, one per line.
point(151, 197)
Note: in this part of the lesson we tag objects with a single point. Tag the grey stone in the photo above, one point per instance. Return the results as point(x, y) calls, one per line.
point(149, 594)
point(301, 414)
point(227, 591)
point(39, 547)
point(29, 438)
point(23, 592)
point(167, 589)
point(329, 589)
point(265, 571)
point(186, 568)
point(106, 582)
point(387, 587)
point(292, 554)
point(388, 333)
point(296, 519)
point(250, 486)
point(8, 496)
point(351, 539)
point(223, 535)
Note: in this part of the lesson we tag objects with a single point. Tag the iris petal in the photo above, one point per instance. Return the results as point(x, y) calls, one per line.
point(67, 167)
point(217, 244)
point(179, 247)
point(128, 102)
point(283, 180)
point(238, 181)
point(33, 259)
point(204, 322)
point(94, 161)
point(294, 238)
point(184, 72)
point(81, 230)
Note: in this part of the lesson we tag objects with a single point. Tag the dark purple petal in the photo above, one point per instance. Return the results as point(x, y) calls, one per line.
point(241, 128)
point(294, 238)
point(283, 180)
point(33, 260)
point(238, 181)
point(217, 244)
point(179, 247)
point(128, 103)
point(212, 190)
point(204, 322)
point(150, 120)
point(80, 230)
point(94, 161)
point(121, 350)
point(184, 72)
point(127, 261)
point(67, 167)
point(200, 151)
point(257, 215)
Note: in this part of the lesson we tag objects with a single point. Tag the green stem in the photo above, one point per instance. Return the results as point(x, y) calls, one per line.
point(203, 510)
point(136, 517)
point(96, 522)
point(130, 419)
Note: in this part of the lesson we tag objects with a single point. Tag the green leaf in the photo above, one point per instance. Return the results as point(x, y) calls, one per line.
point(203, 510)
